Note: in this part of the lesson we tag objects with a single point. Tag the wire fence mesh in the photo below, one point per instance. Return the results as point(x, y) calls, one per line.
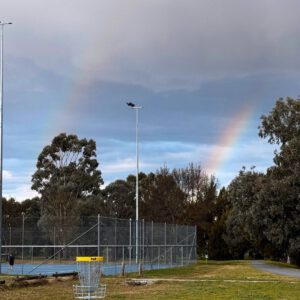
point(61, 239)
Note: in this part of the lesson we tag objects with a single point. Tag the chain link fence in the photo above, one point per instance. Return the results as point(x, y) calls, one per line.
point(120, 241)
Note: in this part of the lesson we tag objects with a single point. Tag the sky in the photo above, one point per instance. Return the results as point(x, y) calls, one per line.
point(204, 71)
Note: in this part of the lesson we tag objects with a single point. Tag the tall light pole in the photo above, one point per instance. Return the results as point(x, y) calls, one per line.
point(2, 24)
point(136, 108)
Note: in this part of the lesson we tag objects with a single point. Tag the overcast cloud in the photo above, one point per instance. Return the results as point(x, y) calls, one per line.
point(70, 66)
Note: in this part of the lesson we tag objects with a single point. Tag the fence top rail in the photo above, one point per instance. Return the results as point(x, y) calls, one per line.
point(95, 246)
point(93, 218)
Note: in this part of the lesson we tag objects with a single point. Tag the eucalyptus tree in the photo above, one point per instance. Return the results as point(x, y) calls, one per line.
point(66, 172)
point(245, 220)
point(282, 126)
point(161, 199)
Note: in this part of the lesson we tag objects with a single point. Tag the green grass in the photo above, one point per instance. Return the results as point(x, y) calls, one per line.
point(215, 280)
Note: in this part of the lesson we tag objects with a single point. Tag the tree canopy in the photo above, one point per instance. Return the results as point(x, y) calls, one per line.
point(67, 171)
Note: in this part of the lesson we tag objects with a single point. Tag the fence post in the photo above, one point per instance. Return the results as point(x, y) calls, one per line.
point(165, 243)
point(98, 235)
point(176, 242)
point(195, 245)
point(54, 243)
point(115, 239)
point(181, 255)
point(152, 244)
point(23, 223)
point(158, 250)
point(143, 233)
point(130, 241)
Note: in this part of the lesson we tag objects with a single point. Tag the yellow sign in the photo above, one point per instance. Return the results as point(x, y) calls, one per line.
point(89, 258)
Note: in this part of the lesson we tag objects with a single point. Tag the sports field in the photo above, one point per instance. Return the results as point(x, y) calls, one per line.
point(215, 280)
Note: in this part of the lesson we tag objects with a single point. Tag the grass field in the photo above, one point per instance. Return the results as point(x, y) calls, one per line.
point(215, 280)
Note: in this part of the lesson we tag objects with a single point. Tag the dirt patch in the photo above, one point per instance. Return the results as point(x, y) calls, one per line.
point(24, 282)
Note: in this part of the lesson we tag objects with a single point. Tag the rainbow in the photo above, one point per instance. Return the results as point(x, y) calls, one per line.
point(228, 138)
point(76, 95)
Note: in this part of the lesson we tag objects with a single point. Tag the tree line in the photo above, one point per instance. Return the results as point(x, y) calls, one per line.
point(256, 215)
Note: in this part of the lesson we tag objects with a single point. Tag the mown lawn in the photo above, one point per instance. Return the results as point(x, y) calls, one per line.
point(215, 280)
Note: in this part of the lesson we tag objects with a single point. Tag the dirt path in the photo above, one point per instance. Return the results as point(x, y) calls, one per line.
point(261, 265)
point(153, 280)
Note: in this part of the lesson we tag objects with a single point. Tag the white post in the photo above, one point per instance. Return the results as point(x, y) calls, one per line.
point(136, 108)
point(152, 244)
point(195, 245)
point(137, 187)
point(10, 237)
point(1, 135)
point(115, 247)
point(54, 243)
point(130, 248)
point(23, 221)
point(165, 243)
point(98, 235)
point(1, 157)
point(143, 241)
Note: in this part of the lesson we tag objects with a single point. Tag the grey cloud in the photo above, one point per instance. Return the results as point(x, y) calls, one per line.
point(156, 43)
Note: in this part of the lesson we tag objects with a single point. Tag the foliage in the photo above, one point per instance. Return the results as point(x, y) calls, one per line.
point(120, 199)
point(282, 193)
point(263, 218)
point(217, 246)
point(66, 172)
point(162, 200)
point(245, 221)
point(283, 122)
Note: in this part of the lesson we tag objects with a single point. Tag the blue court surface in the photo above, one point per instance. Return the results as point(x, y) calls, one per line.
point(49, 269)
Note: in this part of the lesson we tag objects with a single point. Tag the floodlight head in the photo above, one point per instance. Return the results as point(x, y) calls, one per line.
point(5, 23)
point(130, 104)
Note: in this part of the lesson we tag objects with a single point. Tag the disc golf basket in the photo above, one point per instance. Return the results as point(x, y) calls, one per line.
point(89, 275)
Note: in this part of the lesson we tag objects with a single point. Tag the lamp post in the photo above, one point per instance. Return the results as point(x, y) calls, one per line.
point(23, 223)
point(2, 24)
point(136, 108)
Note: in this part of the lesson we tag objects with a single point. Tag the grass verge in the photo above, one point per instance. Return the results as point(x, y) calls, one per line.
point(215, 280)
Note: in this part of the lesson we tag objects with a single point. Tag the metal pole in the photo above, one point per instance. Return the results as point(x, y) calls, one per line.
point(1, 157)
point(165, 243)
point(130, 248)
point(143, 241)
point(54, 242)
point(136, 108)
point(98, 234)
point(10, 237)
point(23, 221)
point(152, 244)
point(195, 245)
point(115, 239)
point(1, 135)
point(137, 187)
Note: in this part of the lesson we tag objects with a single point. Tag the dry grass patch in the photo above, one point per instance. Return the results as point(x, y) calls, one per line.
point(196, 282)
